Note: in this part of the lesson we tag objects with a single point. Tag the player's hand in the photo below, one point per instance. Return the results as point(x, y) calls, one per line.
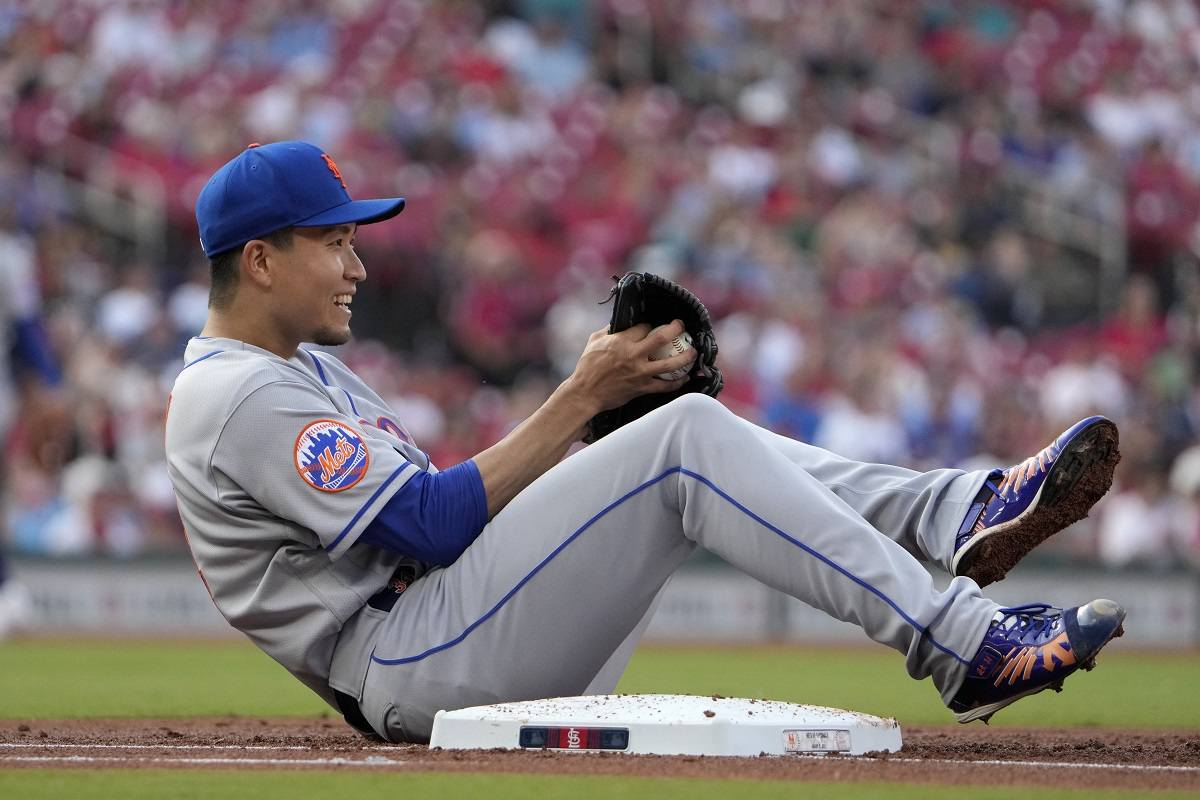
point(616, 367)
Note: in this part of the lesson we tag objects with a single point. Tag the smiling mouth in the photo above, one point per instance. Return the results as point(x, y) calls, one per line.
point(343, 301)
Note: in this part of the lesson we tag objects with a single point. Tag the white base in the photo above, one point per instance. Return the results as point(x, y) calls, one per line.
point(665, 724)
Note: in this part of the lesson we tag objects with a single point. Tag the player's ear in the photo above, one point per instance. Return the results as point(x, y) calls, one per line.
point(256, 264)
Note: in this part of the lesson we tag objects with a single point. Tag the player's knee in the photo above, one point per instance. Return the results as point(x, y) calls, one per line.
point(698, 410)
point(696, 403)
point(702, 429)
point(683, 418)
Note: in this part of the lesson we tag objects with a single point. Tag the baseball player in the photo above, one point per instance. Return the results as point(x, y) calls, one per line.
point(394, 589)
point(23, 337)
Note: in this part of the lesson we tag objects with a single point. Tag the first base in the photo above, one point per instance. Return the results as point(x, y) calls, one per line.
point(665, 724)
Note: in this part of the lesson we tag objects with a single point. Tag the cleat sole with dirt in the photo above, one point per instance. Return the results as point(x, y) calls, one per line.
point(1081, 475)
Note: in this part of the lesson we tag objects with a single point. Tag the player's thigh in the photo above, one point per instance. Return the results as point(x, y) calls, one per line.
point(535, 607)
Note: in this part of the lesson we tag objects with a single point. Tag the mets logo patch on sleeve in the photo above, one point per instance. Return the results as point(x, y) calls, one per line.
point(331, 456)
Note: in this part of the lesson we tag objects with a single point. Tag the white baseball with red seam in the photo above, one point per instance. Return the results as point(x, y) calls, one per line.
point(679, 345)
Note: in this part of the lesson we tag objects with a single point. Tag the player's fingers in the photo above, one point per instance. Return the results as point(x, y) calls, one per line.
point(658, 338)
point(682, 360)
point(670, 330)
point(637, 332)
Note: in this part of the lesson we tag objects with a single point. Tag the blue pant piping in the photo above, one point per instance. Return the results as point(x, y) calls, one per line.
point(705, 481)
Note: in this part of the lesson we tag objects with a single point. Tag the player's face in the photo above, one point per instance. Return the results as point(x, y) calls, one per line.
point(319, 276)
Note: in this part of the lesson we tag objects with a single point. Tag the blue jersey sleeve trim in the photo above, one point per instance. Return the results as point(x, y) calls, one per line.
point(362, 510)
point(923, 630)
point(434, 517)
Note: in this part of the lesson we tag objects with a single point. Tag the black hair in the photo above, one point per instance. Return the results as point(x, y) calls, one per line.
point(225, 268)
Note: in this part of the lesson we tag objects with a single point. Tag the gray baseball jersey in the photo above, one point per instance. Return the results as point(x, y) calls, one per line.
point(280, 464)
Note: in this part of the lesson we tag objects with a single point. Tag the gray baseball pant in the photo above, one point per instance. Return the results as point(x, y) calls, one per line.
point(541, 603)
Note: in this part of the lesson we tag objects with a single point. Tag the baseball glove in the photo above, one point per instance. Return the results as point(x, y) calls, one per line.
point(641, 297)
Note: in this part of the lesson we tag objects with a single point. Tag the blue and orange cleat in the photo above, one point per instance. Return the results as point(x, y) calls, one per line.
point(1019, 508)
point(1029, 649)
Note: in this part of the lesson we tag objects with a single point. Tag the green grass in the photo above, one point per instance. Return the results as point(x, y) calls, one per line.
point(65, 680)
point(60, 680)
point(131, 785)
point(44, 680)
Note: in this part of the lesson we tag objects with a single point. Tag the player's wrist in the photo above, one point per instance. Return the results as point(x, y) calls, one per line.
point(577, 399)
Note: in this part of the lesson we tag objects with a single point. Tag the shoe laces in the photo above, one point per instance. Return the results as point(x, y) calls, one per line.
point(1016, 475)
point(1029, 620)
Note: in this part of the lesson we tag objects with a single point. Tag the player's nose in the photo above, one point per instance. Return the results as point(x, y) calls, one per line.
point(355, 269)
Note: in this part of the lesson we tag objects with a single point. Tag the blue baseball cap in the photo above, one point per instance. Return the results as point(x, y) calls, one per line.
point(270, 187)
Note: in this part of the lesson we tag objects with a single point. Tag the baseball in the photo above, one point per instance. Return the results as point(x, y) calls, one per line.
point(680, 344)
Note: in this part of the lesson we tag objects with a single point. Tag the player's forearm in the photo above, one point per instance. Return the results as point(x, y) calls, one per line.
point(534, 446)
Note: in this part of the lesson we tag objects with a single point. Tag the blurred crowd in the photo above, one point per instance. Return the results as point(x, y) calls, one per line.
point(846, 183)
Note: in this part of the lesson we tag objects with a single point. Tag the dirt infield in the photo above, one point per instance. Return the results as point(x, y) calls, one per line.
point(976, 754)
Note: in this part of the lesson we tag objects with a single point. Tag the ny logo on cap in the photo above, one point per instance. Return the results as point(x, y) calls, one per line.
point(337, 173)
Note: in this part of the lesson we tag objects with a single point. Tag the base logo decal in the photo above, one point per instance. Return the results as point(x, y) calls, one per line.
point(331, 456)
